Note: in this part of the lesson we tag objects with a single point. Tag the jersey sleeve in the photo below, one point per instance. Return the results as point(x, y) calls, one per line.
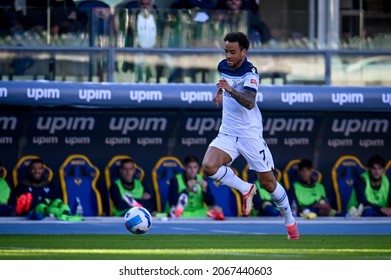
point(252, 80)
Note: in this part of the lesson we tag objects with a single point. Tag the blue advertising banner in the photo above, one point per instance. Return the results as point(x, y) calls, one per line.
point(195, 132)
point(111, 95)
point(354, 134)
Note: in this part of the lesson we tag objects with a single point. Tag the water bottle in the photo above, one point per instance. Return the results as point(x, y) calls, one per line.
point(79, 208)
point(294, 208)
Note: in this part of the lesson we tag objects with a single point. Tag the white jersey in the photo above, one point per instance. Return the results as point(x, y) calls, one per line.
point(237, 120)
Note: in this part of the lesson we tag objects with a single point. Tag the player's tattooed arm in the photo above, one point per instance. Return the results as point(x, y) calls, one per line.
point(245, 98)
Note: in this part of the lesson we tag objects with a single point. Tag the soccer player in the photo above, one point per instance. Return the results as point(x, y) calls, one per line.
point(190, 195)
point(241, 132)
point(127, 191)
point(38, 197)
point(311, 195)
point(374, 189)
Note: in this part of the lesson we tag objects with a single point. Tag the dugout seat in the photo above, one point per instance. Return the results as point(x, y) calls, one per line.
point(78, 178)
point(112, 172)
point(3, 172)
point(345, 171)
point(163, 171)
point(229, 199)
point(388, 168)
point(290, 174)
point(20, 172)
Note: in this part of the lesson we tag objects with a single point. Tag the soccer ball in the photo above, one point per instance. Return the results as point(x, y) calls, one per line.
point(138, 220)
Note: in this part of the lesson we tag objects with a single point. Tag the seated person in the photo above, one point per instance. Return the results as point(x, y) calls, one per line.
point(263, 203)
point(64, 17)
point(127, 191)
point(189, 194)
point(6, 194)
point(310, 194)
point(37, 197)
point(373, 189)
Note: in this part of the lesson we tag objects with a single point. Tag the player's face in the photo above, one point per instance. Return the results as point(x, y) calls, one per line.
point(305, 174)
point(37, 169)
point(191, 170)
point(127, 171)
point(234, 55)
point(376, 171)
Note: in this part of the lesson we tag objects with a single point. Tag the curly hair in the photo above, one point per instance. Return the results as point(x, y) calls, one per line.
point(240, 37)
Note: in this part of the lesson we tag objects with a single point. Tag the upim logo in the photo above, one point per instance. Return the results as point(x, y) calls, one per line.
point(202, 125)
point(39, 93)
point(8, 123)
point(191, 96)
point(3, 92)
point(141, 124)
point(297, 97)
point(348, 126)
point(385, 97)
point(291, 125)
point(343, 97)
point(145, 95)
point(95, 94)
point(53, 124)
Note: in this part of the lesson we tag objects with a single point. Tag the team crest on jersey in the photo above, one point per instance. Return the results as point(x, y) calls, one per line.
point(253, 70)
point(253, 81)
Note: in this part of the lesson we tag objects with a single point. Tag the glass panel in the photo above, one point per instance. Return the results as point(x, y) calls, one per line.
point(361, 70)
point(293, 68)
point(54, 65)
point(166, 66)
point(198, 66)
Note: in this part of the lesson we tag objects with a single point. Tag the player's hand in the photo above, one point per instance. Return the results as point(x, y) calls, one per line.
point(203, 184)
point(323, 207)
point(223, 84)
point(191, 185)
point(386, 211)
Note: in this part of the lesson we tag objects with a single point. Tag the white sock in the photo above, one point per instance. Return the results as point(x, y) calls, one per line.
point(280, 198)
point(226, 176)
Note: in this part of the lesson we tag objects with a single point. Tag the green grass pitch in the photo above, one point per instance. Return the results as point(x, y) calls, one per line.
point(194, 247)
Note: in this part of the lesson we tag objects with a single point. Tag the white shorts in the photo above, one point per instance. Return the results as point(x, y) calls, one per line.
point(254, 150)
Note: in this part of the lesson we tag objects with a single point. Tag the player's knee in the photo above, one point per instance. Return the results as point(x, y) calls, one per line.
point(209, 169)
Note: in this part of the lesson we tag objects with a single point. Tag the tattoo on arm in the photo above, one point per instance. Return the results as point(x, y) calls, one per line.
point(245, 98)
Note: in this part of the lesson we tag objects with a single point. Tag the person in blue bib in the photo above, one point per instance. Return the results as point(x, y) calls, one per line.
point(190, 195)
point(373, 189)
